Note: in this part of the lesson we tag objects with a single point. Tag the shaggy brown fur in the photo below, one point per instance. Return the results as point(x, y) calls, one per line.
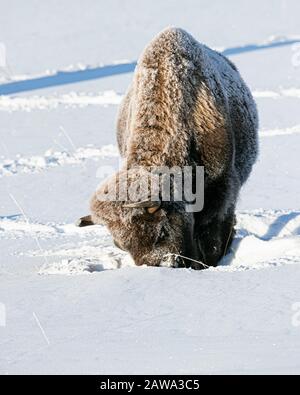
point(187, 105)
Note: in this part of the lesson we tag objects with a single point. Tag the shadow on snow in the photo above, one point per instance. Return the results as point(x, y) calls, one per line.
point(71, 77)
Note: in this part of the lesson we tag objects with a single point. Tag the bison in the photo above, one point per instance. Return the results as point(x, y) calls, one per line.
point(187, 106)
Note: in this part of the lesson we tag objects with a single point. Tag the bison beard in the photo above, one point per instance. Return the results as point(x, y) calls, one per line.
point(187, 106)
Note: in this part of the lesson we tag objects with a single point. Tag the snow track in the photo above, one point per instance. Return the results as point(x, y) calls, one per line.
point(53, 158)
point(70, 100)
point(82, 99)
point(293, 93)
point(264, 239)
point(16, 226)
point(280, 131)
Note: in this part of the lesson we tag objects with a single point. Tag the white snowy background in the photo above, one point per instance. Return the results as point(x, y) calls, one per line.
point(69, 301)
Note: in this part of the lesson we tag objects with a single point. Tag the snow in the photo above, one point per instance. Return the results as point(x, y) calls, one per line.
point(74, 303)
point(292, 92)
point(71, 100)
point(53, 158)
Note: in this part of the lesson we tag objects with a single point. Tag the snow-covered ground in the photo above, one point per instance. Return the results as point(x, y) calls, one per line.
point(70, 302)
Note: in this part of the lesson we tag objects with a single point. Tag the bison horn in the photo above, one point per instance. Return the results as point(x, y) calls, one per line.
point(152, 207)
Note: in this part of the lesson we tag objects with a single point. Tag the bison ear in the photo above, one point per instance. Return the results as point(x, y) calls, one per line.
point(151, 207)
point(84, 221)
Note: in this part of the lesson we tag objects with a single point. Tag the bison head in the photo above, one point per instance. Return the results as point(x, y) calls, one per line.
point(151, 231)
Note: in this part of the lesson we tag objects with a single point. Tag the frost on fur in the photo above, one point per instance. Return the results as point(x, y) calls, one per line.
point(187, 106)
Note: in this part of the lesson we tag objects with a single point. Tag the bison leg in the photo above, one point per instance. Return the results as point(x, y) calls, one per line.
point(215, 239)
